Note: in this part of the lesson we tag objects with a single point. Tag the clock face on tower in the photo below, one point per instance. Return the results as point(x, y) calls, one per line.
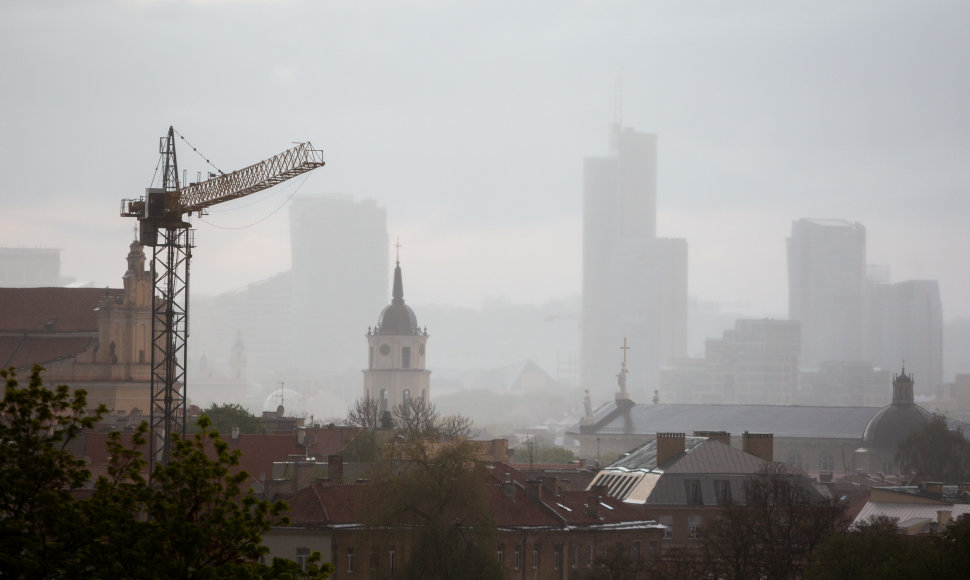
point(385, 350)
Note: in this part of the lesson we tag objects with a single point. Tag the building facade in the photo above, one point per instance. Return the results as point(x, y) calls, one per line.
point(634, 284)
point(826, 286)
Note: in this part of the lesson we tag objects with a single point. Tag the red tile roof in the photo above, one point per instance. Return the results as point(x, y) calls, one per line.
point(52, 309)
point(25, 350)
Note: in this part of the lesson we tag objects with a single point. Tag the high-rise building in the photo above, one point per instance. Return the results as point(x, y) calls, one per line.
point(339, 277)
point(826, 285)
point(911, 326)
point(30, 267)
point(634, 284)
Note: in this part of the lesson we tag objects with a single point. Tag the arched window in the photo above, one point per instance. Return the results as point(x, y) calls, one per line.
point(795, 459)
point(826, 462)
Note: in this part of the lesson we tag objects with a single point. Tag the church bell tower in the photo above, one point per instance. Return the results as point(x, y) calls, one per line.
point(396, 354)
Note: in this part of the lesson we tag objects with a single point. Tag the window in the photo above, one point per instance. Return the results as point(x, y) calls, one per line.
point(826, 463)
point(589, 555)
point(392, 561)
point(557, 556)
point(574, 555)
point(516, 558)
point(722, 489)
point(535, 556)
point(501, 554)
point(693, 489)
point(694, 526)
point(383, 400)
point(795, 459)
point(654, 549)
point(350, 560)
point(302, 555)
point(636, 551)
point(406, 357)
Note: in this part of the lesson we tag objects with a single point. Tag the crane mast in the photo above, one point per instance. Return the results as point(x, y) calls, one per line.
point(162, 226)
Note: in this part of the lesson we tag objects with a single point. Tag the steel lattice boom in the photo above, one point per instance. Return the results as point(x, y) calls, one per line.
point(162, 226)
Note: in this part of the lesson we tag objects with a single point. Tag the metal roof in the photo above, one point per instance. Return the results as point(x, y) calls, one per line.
point(782, 421)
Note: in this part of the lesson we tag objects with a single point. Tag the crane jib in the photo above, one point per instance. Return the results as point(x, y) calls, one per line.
point(256, 177)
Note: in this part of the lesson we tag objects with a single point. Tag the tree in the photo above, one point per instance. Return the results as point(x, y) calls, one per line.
point(38, 515)
point(877, 550)
point(228, 415)
point(773, 533)
point(937, 451)
point(365, 413)
point(418, 417)
point(194, 519)
point(433, 502)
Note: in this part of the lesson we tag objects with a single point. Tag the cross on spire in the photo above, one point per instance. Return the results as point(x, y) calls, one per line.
point(624, 348)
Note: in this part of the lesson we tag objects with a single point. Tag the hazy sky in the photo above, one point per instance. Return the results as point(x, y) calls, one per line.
point(469, 121)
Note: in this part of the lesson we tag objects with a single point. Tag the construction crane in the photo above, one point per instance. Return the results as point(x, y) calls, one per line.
point(161, 217)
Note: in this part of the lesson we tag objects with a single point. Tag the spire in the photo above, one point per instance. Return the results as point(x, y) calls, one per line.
point(398, 292)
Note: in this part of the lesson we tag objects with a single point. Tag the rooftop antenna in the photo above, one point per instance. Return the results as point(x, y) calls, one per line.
point(618, 98)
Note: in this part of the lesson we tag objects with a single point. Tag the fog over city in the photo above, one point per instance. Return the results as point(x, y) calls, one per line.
point(469, 123)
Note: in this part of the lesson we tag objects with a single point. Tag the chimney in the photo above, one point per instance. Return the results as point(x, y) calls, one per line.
point(722, 436)
point(335, 468)
point(669, 445)
point(593, 506)
point(942, 518)
point(235, 433)
point(551, 485)
point(301, 436)
point(533, 489)
point(760, 445)
point(934, 487)
point(963, 488)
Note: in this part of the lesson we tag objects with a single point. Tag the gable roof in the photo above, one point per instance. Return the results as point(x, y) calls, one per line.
point(52, 309)
point(43, 325)
point(782, 421)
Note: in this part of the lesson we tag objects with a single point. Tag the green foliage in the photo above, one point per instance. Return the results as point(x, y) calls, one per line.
point(433, 501)
point(876, 550)
point(37, 512)
point(193, 520)
point(364, 448)
point(936, 451)
point(530, 453)
point(228, 415)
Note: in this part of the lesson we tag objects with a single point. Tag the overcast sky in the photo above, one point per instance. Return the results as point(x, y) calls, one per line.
point(469, 122)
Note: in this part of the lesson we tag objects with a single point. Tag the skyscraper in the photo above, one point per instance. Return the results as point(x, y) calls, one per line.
point(634, 284)
point(826, 281)
point(339, 277)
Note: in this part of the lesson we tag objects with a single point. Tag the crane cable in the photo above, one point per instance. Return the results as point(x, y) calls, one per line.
point(264, 218)
point(182, 137)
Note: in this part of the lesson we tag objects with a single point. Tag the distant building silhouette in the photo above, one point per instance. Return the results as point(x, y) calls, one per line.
point(826, 284)
point(30, 267)
point(634, 284)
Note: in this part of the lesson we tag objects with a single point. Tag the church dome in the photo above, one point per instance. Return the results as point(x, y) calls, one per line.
point(894, 422)
point(397, 317)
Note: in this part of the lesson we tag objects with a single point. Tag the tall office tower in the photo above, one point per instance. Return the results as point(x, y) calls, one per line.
point(905, 326)
point(339, 278)
point(634, 284)
point(826, 281)
point(30, 267)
